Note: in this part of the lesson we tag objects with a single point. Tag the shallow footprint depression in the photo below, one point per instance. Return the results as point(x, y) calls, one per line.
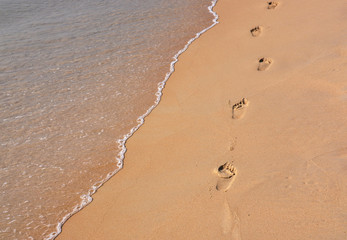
point(256, 31)
point(264, 64)
point(272, 5)
point(239, 109)
point(226, 174)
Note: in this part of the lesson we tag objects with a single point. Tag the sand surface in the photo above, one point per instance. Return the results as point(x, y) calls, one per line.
point(287, 143)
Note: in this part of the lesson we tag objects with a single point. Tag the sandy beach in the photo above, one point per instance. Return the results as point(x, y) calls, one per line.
point(264, 91)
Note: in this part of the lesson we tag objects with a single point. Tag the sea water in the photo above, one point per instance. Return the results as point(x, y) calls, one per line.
point(76, 79)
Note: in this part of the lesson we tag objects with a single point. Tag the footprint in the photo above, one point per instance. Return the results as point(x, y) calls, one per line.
point(272, 5)
point(226, 174)
point(232, 145)
point(236, 230)
point(264, 63)
point(227, 222)
point(230, 223)
point(256, 31)
point(238, 109)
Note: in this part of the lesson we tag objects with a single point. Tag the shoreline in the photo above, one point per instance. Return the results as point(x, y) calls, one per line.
point(87, 199)
point(276, 147)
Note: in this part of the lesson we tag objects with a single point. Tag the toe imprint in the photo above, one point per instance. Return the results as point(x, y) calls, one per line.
point(226, 174)
point(238, 109)
point(256, 31)
point(226, 170)
point(264, 63)
point(272, 5)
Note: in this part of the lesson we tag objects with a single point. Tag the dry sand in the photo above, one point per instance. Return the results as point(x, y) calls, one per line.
point(287, 143)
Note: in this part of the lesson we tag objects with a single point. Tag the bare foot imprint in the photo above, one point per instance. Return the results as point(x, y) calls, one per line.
point(238, 109)
point(233, 144)
point(272, 5)
point(256, 31)
point(226, 174)
point(264, 63)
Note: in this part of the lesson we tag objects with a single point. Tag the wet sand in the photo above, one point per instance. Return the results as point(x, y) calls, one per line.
point(272, 104)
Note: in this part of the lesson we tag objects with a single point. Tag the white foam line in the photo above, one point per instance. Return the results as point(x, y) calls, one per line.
point(87, 198)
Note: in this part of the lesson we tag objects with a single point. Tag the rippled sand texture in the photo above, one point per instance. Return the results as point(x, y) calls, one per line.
point(75, 75)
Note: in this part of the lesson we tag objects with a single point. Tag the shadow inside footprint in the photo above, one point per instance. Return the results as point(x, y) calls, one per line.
point(272, 5)
point(226, 174)
point(256, 31)
point(264, 63)
point(238, 109)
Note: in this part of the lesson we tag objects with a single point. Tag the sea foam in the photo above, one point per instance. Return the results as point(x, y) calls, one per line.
point(87, 198)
